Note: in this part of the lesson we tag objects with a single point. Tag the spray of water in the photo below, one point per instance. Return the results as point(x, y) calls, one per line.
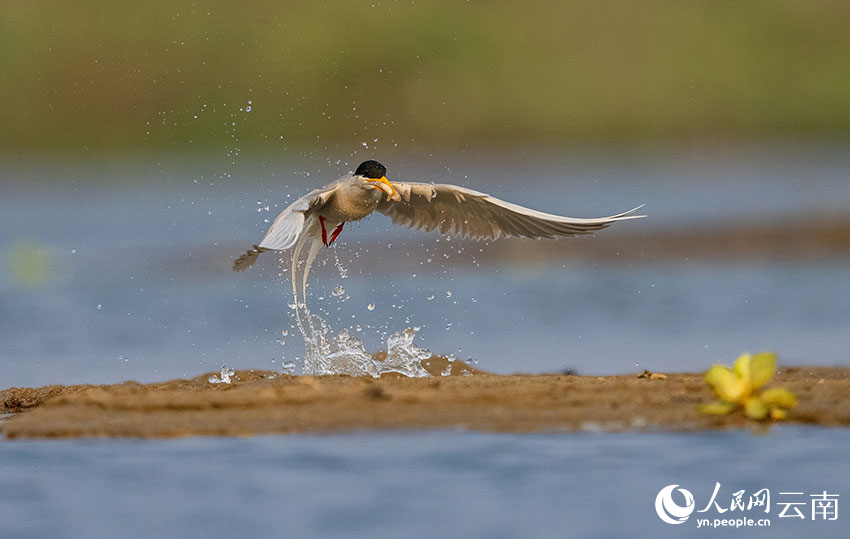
point(339, 352)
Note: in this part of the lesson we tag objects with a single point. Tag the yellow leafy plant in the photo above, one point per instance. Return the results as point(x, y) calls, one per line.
point(739, 387)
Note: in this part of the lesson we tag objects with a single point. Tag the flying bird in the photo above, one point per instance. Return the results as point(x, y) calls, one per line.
point(322, 213)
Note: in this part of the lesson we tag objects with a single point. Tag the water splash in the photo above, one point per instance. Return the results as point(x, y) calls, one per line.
point(403, 356)
point(339, 352)
point(226, 373)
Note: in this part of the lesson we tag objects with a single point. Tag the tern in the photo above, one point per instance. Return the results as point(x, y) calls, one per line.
point(321, 214)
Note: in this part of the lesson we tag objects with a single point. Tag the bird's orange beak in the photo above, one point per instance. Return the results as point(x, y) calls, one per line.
point(383, 184)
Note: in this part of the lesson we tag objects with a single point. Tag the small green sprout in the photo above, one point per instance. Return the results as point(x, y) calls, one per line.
point(738, 387)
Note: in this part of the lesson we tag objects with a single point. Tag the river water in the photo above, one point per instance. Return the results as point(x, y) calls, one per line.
point(106, 281)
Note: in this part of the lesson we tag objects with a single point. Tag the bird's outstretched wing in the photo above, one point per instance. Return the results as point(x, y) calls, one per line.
point(286, 227)
point(470, 214)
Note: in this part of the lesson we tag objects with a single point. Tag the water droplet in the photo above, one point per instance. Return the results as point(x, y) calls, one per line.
point(430, 297)
point(284, 332)
point(248, 108)
point(288, 367)
point(448, 293)
point(99, 306)
point(338, 291)
point(371, 306)
point(73, 251)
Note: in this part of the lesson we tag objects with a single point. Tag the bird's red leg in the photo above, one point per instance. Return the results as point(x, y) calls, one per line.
point(324, 232)
point(336, 232)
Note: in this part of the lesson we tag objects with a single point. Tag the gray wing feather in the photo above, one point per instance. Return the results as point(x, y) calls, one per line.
point(470, 214)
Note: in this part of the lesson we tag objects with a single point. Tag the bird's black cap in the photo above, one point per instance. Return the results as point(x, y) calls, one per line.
point(371, 169)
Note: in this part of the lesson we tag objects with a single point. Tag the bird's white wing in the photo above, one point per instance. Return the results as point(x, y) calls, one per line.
point(286, 227)
point(470, 214)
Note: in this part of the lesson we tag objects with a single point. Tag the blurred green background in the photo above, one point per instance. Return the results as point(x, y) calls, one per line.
point(111, 76)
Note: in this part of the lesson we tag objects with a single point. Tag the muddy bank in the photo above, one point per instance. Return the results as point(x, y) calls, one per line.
point(263, 402)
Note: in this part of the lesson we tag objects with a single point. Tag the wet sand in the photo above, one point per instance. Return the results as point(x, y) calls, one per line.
point(264, 402)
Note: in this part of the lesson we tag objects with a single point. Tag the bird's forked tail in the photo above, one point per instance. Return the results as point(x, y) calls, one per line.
point(248, 258)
